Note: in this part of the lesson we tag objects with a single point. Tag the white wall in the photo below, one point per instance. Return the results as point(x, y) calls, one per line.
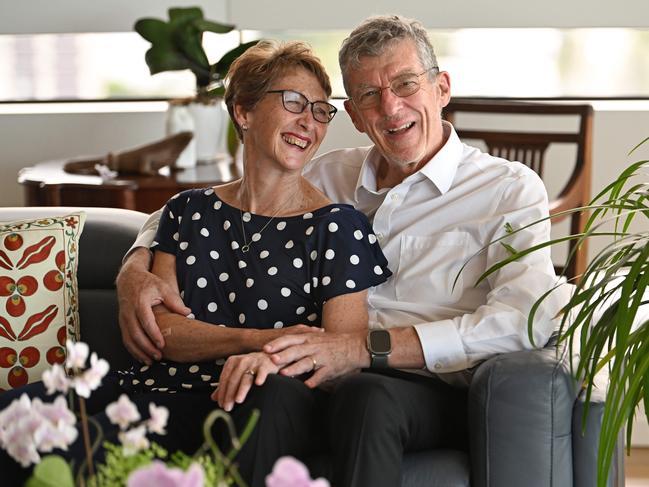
point(343, 14)
point(47, 16)
point(61, 16)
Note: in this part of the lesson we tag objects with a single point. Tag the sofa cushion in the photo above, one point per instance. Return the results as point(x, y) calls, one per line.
point(38, 294)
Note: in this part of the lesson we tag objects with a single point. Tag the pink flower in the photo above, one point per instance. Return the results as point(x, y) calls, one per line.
point(55, 379)
point(158, 474)
point(158, 420)
point(91, 378)
point(56, 412)
point(58, 430)
point(77, 354)
point(11, 414)
point(122, 412)
point(289, 472)
point(27, 427)
point(134, 440)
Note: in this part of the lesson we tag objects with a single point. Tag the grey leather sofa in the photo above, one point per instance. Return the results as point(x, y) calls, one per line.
point(524, 409)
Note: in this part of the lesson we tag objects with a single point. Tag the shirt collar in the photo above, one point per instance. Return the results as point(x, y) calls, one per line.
point(441, 169)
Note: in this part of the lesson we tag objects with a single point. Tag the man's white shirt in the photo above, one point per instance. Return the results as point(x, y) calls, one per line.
point(436, 221)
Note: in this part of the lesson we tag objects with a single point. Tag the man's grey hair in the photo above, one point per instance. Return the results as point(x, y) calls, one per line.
point(376, 34)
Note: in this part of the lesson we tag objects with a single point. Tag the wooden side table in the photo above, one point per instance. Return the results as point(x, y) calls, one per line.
point(47, 184)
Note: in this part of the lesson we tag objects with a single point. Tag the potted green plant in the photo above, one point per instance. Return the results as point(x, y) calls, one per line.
point(606, 320)
point(177, 44)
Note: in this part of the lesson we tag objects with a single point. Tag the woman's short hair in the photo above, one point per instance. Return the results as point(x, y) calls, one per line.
point(253, 73)
point(376, 34)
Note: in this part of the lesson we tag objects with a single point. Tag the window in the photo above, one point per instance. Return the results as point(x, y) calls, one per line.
point(535, 62)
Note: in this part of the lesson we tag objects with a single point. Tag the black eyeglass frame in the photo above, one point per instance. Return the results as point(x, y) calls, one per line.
point(381, 89)
point(331, 109)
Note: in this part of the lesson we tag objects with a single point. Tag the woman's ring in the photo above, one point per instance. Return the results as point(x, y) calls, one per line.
point(250, 372)
point(315, 364)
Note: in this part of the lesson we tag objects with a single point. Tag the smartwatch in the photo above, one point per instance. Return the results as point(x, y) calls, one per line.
point(379, 345)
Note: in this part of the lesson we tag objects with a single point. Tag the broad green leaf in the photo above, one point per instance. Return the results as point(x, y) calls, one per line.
point(184, 15)
point(222, 66)
point(52, 471)
point(233, 140)
point(189, 41)
point(153, 30)
point(159, 59)
point(209, 26)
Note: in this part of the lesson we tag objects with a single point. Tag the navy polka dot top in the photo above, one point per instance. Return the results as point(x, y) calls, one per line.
point(292, 266)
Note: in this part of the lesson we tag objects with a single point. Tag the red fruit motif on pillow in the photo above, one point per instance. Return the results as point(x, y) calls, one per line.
point(54, 279)
point(26, 286)
point(27, 358)
point(7, 357)
point(56, 355)
point(13, 241)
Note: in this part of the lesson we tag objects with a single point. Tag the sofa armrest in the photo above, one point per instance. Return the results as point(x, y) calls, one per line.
point(585, 443)
point(520, 420)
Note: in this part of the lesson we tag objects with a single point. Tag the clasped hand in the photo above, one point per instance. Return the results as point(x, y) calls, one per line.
point(327, 355)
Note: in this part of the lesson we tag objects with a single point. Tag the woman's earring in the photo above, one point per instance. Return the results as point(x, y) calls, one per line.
point(244, 127)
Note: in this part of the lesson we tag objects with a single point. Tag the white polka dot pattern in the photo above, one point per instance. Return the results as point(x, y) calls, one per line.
point(290, 269)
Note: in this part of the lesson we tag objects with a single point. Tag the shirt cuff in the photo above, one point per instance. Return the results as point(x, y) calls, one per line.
point(442, 346)
point(144, 239)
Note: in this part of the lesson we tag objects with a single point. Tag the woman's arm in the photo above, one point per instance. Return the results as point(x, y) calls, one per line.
point(346, 313)
point(190, 340)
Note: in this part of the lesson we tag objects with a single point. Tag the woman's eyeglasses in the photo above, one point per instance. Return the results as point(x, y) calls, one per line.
point(295, 102)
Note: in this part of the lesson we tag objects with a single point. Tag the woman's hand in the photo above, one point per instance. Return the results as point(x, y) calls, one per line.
point(238, 375)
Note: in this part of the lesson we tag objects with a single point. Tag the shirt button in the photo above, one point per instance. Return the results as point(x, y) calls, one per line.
point(438, 366)
point(379, 236)
point(394, 196)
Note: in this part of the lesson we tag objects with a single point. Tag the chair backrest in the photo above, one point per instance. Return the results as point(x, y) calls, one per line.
point(530, 147)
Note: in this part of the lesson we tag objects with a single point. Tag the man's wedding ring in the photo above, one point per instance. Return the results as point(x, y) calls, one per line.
point(250, 372)
point(315, 364)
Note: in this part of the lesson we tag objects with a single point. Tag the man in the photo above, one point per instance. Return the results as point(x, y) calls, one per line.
point(434, 203)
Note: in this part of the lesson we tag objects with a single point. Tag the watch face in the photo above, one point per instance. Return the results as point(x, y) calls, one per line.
point(380, 341)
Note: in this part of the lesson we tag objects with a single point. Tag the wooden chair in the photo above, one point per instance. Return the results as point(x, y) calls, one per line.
point(529, 147)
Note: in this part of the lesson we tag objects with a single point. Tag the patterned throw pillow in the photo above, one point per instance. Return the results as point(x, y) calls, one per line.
point(38, 295)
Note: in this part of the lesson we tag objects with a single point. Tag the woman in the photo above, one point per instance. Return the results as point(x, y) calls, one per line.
point(263, 253)
point(261, 256)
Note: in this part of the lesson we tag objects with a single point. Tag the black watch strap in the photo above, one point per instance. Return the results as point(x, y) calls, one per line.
point(378, 361)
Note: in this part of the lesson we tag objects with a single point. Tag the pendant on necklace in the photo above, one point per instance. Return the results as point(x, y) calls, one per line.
point(245, 248)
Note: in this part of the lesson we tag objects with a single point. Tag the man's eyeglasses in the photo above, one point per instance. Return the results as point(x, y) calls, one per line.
point(402, 86)
point(295, 102)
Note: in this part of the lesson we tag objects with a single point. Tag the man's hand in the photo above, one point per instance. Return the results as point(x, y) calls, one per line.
point(238, 375)
point(138, 291)
point(329, 355)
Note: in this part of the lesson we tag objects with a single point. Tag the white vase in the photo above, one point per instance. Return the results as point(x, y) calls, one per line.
point(211, 128)
point(209, 122)
point(179, 119)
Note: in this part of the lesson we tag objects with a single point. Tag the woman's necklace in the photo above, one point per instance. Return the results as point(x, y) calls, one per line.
point(257, 236)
